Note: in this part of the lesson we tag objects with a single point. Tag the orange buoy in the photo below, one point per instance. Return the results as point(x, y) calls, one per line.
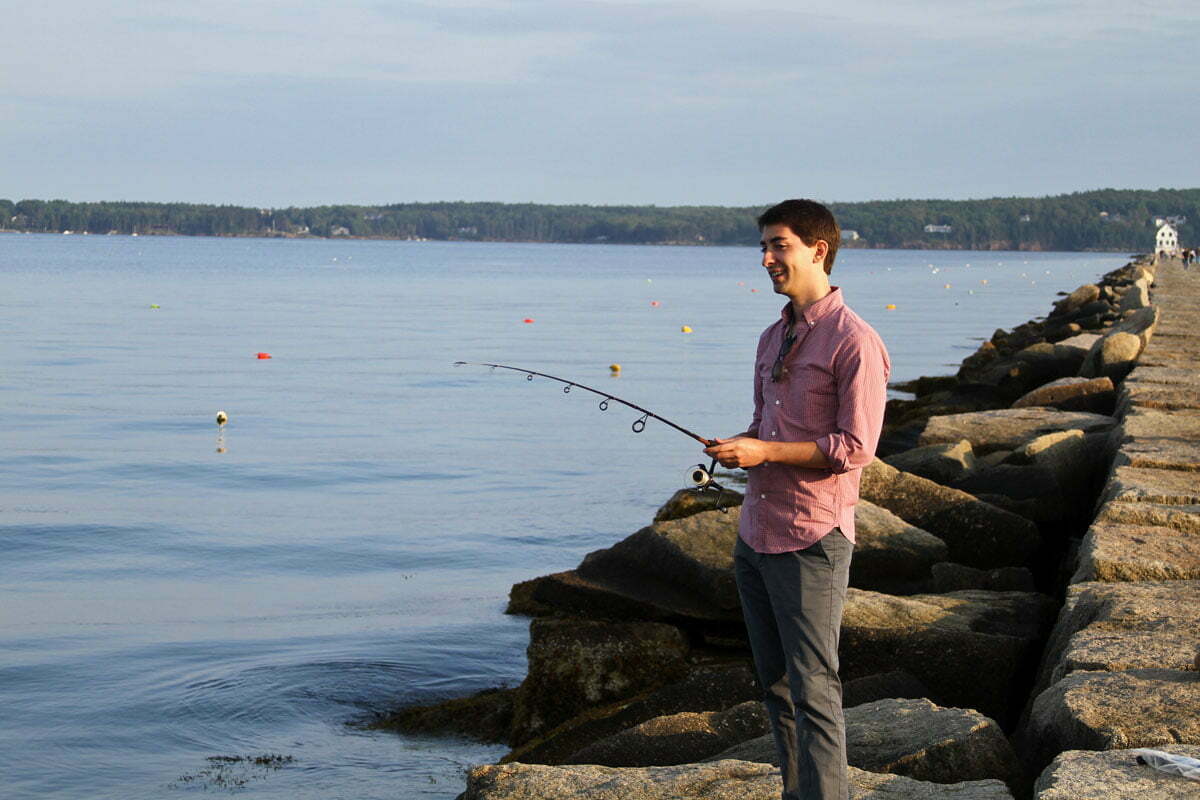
point(528, 320)
point(264, 355)
point(655, 303)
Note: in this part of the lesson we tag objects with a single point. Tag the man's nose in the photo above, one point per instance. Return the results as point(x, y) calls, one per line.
point(767, 259)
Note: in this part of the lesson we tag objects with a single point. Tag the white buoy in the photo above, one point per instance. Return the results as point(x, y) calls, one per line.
point(222, 418)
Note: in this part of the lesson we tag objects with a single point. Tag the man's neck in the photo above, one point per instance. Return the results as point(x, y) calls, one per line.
point(809, 295)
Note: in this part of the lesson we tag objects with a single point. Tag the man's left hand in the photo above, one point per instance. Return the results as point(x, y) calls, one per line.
point(744, 452)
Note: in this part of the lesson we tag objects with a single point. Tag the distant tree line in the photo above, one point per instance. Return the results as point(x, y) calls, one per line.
point(1106, 219)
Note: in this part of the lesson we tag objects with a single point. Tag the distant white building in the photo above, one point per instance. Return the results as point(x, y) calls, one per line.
point(937, 228)
point(850, 236)
point(1167, 240)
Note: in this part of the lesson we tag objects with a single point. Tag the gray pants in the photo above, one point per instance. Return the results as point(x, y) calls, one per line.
point(792, 604)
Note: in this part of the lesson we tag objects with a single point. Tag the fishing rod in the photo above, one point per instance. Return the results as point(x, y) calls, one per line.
point(700, 476)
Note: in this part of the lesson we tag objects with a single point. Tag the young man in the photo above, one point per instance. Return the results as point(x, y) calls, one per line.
point(820, 384)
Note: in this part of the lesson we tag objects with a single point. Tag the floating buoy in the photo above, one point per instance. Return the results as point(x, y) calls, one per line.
point(154, 305)
point(947, 286)
point(222, 418)
point(264, 355)
point(754, 290)
point(741, 283)
point(686, 329)
point(890, 306)
point(655, 303)
point(615, 369)
point(528, 320)
point(984, 281)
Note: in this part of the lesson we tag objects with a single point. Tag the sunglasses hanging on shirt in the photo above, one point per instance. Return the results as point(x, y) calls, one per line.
point(784, 347)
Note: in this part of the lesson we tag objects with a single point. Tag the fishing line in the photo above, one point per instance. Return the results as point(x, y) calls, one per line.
point(700, 476)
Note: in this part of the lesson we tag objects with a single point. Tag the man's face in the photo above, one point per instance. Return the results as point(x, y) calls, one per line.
point(792, 264)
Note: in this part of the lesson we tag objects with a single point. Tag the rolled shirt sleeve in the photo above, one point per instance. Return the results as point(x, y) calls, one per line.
point(861, 369)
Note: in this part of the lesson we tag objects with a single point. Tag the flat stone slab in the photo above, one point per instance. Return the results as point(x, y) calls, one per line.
point(1008, 428)
point(1142, 422)
point(1114, 775)
point(1178, 354)
point(1164, 396)
point(1123, 626)
point(716, 780)
point(1113, 711)
point(1176, 517)
point(1167, 452)
point(1168, 375)
point(1147, 485)
point(915, 738)
point(1116, 552)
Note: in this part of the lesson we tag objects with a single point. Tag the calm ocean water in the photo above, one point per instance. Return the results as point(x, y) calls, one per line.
point(350, 550)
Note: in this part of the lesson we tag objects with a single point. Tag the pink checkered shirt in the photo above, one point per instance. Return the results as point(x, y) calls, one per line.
point(832, 392)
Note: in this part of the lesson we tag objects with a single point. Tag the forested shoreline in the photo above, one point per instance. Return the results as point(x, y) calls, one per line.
point(1106, 219)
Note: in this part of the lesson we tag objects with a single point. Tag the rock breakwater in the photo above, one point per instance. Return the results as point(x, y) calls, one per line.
point(1025, 590)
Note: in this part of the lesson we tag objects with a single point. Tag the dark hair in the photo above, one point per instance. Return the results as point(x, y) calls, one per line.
point(810, 221)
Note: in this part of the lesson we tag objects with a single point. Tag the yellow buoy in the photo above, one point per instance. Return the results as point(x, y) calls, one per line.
point(154, 305)
point(686, 329)
point(615, 369)
point(947, 286)
point(222, 418)
point(890, 306)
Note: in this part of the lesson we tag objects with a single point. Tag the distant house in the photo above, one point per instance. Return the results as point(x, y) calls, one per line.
point(937, 228)
point(1026, 218)
point(339, 230)
point(1167, 240)
point(850, 236)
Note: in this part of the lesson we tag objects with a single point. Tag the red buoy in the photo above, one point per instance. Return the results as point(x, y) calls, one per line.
point(264, 355)
point(528, 320)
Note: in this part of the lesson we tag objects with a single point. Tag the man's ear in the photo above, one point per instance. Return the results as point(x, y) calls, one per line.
point(821, 249)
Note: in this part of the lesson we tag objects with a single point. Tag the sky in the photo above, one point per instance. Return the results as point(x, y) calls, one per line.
point(705, 102)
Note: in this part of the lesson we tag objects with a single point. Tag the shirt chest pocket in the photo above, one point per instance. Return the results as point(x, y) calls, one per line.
point(806, 381)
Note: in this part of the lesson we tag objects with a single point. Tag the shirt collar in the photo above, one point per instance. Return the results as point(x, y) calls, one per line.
point(823, 307)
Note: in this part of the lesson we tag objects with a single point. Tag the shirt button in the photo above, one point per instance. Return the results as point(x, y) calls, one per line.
point(762, 497)
point(774, 433)
point(776, 402)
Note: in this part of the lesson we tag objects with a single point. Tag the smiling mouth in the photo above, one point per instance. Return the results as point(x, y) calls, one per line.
point(776, 274)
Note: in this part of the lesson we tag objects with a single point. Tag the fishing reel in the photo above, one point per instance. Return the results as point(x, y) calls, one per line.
point(703, 481)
